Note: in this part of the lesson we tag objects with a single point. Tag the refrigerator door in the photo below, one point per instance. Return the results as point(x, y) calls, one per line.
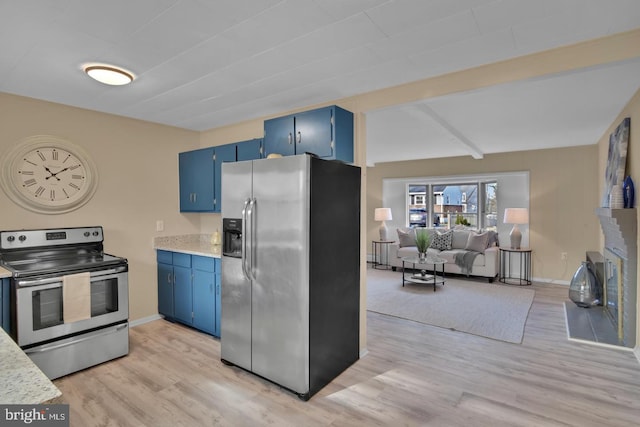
point(280, 299)
point(235, 316)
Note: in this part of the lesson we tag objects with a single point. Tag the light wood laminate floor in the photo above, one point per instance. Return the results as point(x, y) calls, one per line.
point(414, 374)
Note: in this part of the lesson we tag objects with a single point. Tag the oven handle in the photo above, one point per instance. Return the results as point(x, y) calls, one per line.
point(57, 279)
point(44, 348)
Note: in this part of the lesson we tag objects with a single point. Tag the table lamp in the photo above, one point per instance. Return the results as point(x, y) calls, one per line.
point(383, 214)
point(516, 216)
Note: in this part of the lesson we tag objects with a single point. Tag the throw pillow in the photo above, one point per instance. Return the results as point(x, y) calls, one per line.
point(442, 241)
point(459, 240)
point(406, 238)
point(477, 242)
point(493, 238)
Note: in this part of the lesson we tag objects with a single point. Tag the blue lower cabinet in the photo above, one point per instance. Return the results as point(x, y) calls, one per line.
point(204, 301)
point(189, 290)
point(182, 294)
point(165, 290)
point(5, 315)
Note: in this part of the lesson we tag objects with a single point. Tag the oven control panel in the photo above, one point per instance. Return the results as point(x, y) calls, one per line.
point(19, 239)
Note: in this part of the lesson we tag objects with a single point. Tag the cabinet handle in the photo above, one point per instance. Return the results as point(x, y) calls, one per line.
point(290, 137)
point(217, 289)
point(299, 137)
point(195, 197)
point(169, 278)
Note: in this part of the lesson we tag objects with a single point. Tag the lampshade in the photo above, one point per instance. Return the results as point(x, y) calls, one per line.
point(109, 75)
point(516, 216)
point(383, 214)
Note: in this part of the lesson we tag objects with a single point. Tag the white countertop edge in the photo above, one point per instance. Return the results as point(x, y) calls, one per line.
point(187, 251)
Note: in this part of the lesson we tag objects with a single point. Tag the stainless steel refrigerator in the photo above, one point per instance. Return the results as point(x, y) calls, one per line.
point(291, 269)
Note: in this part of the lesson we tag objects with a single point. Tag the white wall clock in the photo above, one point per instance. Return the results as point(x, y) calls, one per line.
point(47, 174)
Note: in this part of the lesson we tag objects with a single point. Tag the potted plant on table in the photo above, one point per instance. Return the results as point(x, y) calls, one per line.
point(423, 240)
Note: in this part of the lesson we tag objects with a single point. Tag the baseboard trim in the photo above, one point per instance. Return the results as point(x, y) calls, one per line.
point(138, 322)
point(363, 352)
point(551, 281)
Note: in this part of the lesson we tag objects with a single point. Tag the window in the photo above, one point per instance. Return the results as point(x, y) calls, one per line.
point(472, 204)
point(486, 195)
point(417, 206)
point(490, 205)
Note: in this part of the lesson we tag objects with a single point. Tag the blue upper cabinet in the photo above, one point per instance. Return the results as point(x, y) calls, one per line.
point(224, 154)
point(249, 150)
point(279, 136)
point(326, 132)
point(196, 173)
point(200, 173)
point(314, 132)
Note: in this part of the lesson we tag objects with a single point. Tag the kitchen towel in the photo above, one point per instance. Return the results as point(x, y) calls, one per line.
point(76, 297)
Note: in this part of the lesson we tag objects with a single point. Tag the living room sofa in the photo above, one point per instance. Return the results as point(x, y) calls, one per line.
point(468, 252)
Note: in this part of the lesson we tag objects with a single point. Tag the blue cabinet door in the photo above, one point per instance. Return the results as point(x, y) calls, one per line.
point(326, 132)
point(165, 290)
point(204, 301)
point(196, 173)
point(5, 315)
point(314, 132)
point(182, 294)
point(223, 154)
point(249, 150)
point(279, 136)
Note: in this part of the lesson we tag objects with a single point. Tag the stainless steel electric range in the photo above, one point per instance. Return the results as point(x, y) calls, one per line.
point(69, 299)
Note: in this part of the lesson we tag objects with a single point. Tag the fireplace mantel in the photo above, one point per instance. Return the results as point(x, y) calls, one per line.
point(620, 228)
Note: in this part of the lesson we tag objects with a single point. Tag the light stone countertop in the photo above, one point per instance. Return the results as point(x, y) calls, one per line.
point(194, 244)
point(21, 381)
point(4, 273)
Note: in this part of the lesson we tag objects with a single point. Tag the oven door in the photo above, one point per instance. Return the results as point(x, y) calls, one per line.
point(40, 312)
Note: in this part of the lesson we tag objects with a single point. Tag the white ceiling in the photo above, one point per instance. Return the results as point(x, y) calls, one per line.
point(203, 64)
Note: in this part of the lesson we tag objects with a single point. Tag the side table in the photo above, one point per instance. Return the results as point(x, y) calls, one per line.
point(380, 249)
point(509, 258)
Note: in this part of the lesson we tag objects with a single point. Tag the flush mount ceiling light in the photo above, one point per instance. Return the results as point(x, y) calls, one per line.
point(109, 74)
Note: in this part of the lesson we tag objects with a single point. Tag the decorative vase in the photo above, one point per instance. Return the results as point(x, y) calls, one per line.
point(422, 256)
point(584, 289)
point(616, 200)
point(628, 192)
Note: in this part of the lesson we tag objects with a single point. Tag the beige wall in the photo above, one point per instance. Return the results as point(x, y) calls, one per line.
point(632, 109)
point(563, 197)
point(138, 183)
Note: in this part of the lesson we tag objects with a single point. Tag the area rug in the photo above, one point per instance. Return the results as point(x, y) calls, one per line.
point(494, 311)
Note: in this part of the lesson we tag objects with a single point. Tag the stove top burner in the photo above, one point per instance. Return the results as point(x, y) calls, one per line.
point(29, 253)
point(65, 264)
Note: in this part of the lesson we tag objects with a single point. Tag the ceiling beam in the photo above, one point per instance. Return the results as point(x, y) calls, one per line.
point(600, 51)
point(473, 149)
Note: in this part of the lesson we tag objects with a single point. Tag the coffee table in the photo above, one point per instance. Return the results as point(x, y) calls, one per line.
point(422, 264)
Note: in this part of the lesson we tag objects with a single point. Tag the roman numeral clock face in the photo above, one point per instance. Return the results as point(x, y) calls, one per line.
point(49, 176)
